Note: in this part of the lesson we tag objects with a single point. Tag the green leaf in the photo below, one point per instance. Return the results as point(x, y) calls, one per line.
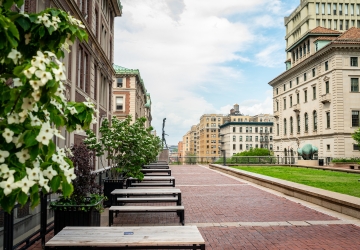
point(45, 165)
point(34, 152)
point(19, 2)
point(51, 148)
point(22, 198)
point(34, 189)
point(55, 183)
point(41, 31)
point(67, 188)
point(7, 4)
point(8, 202)
point(12, 28)
point(30, 138)
point(35, 199)
point(23, 23)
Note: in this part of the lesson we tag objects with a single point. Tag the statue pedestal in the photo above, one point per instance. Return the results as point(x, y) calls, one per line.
point(164, 155)
point(308, 162)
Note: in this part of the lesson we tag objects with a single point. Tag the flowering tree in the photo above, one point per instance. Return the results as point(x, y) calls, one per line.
point(356, 136)
point(128, 146)
point(33, 107)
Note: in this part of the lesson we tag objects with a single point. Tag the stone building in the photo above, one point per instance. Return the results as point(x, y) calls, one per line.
point(317, 100)
point(130, 96)
point(89, 64)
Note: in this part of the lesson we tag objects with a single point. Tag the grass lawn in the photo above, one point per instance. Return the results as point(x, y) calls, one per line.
point(345, 183)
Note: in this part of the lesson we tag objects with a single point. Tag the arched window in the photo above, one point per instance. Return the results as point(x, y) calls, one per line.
point(298, 123)
point(315, 120)
point(300, 51)
point(306, 122)
point(304, 49)
point(291, 125)
point(285, 126)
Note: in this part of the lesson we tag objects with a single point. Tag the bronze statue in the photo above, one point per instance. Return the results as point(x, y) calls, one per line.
point(163, 135)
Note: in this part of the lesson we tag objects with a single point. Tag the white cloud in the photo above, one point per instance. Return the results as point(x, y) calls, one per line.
point(182, 48)
point(271, 56)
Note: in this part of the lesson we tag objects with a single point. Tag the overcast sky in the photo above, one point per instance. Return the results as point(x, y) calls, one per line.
point(202, 56)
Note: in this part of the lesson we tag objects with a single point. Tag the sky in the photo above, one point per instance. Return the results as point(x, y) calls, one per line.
point(202, 56)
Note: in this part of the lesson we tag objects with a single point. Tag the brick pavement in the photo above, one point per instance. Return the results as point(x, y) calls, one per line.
point(232, 214)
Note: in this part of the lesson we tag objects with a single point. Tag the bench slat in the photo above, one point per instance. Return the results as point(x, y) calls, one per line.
point(146, 208)
point(157, 199)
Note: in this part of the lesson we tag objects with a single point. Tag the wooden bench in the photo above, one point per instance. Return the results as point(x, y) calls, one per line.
point(145, 209)
point(147, 199)
point(154, 237)
point(156, 166)
point(151, 181)
point(156, 171)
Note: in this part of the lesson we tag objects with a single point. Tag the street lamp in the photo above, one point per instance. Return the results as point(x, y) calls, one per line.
point(224, 155)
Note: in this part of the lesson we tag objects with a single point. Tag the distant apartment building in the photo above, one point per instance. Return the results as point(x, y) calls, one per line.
point(130, 96)
point(337, 15)
point(317, 100)
point(180, 149)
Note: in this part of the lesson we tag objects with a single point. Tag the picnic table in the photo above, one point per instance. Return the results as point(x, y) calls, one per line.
point(151, 181)
point(154, 237)
point(155, 171)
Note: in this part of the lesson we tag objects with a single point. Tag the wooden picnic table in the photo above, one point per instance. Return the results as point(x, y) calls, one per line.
point(154, 237)
point(149, 181)
point(144, 192)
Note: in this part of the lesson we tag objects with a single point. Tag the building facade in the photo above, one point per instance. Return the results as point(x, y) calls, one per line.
point(317, 101)
point(337, 15)
point(88, 64)
point(130, 96)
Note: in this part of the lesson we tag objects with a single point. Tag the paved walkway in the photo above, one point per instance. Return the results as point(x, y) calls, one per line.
point(235, 214)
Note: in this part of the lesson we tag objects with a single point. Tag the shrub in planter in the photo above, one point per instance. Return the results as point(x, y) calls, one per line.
point(84, 206)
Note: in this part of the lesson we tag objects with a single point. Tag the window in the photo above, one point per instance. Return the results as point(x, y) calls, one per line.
point(341, 25)
point(328, 147)
point(298, 98)
point(352, 9)
point(119, 103)
point(334, 8)
point(306, 122)
point(355, 118)
point(358, 9)
point(284, 87)
point(329, 8)
point(240, 146)
point(284, 126)
point(290, 101)
point(247, 146)
point(277, 106)
point(298, 124)
point(335, 24)
point(234, 129)
point(291, 125)
point(315, 120)
point(119, 82)
point(297, 80)
point(234, 146)
point(250, 138)
point(356, 147)
point(271, 138)
point(354, 84)
point(353, 61)
point(340, 8)
point(304, 77)
point(240, 138)
point(329, 23)
point(277, 129)
point(327, 87)
point(317, 8)
point(256, 138)
point(346, 24)
point(277, 91)
point(234, 138)
point(256, 129)
point(326, 65)
point(314, 92)
point(240, 129)
point(313, 72)
point(247, 130)
point(323, 8)
point(323, 23)
point(346, 9)
point(290, 84)
point(327, 119)
point(284, 103)
point(305, 95)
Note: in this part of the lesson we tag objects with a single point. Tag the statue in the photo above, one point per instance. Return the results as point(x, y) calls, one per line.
point(163, 135)
point(307, 151)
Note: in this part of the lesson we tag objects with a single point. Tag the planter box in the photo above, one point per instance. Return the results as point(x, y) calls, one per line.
point(109, 186)
point(74, 216)
point(346, 165)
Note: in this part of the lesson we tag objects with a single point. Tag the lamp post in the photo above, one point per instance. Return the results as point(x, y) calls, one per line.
point(224, 155)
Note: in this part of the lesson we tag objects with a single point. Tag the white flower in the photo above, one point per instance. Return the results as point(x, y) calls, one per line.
point(35, 84)
point(29, 72)
point(5, 171)
point(43, 182)
point(36, 95)
point(79, 128)
point(44, 76)
point(61, 152)
point(89, 103)
point(47, 114)
point(36, 163)
point(61, 65)
point(35, 121)
point(68, 151)
point(34, 174)
point(3, 155)
point(23, 155)
point(28, 104)
point(23, 115)
point(8, 185)
point(14, 55)
point(57, 105)
point(13, 118)
point(93, 119)
point(45, 134)
point(17, 82)
point(47, 23)
point(59, 74)
point(8, 135)
point(27, 38)
point(58, 134)
point(25, 184)
point(50, 53)
point(16, 141)
point(49, 173)
point(69, 174)
point(72, 110)
point(56, 19)
point(57, 158)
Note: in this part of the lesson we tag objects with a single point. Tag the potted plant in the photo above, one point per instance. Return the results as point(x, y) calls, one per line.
point(84, 206)
point(128, 146)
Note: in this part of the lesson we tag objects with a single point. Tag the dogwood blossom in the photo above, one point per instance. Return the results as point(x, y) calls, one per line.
point(3, 155)
point(35, 84)
point(8, 185)
point(28, 103)
point(69, 174)
point(79, 128)
point(59, 74)
point(49, 173)
point(57, 158)
point(27, 38)
point(35, 121)
point(45, 134)
point(72, 110)
point(23, 115)
point(5, 172)
point(25, 184)
point(44, 76)
point(43, 182)
point(8, 135)
point(29, 72)
point(58, 134)
point(14, 55)
point(17, 82)
point(33, 173)
point(23, 155)
point(16, 141)
point(36, 95)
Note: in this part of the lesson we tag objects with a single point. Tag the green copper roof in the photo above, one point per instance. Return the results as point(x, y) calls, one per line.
point(133, 72)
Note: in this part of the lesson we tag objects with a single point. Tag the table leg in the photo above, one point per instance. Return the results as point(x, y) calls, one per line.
point(111, 215)
point(179, 199)
point(173, 182)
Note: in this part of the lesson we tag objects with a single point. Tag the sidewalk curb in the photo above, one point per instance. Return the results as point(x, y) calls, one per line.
point(341, 203)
